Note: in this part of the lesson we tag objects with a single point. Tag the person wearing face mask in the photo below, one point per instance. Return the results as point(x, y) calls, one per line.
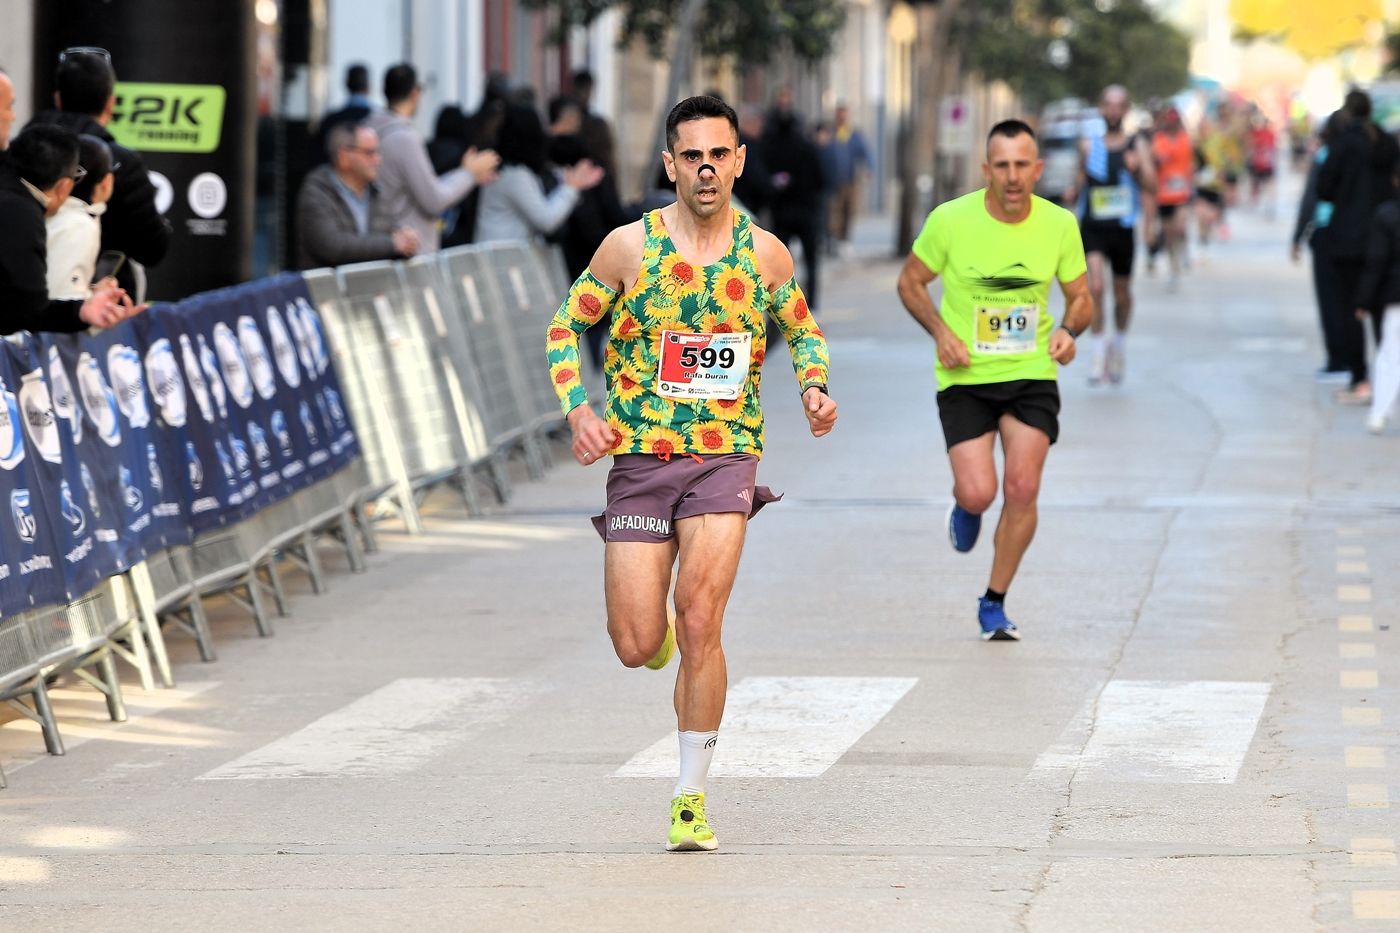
point(37, 174)
point(75, 229)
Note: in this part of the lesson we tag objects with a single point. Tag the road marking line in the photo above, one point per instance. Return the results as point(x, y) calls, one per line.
point(1373, 852)
point(1352, 566)
point(1360, 680)
point(1368, 796)
point(1354, 593)
point(1365, 756)
point(393, 730)
point(1188, 732)
point(1351, 550)
point(1374, 859)
point(1355, 624)
point(1360, 716)
point(1375, 905)
point(23, 869)
point(785, 726)
point(1354, 650)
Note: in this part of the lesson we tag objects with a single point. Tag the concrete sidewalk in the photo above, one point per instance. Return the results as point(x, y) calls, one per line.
point(1197, 733)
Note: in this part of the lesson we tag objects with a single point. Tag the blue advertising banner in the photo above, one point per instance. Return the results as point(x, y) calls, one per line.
point(92, 496)
point(31, 572)
point(187, 418)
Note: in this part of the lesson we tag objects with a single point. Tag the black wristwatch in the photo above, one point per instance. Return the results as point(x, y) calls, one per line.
point(819, 386)
point(1072, 334)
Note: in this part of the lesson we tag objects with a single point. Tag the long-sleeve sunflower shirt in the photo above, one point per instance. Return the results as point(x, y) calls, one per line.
point(675, 302)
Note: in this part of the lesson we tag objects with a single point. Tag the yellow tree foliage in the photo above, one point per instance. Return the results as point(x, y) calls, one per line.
point(1311, 28)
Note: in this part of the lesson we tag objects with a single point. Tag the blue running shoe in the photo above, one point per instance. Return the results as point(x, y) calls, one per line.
point(963, 528)
point(995, 625)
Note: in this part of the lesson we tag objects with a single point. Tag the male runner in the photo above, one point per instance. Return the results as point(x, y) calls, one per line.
point(1115, 171)
point(688, 286)
point(998, 249)
point(1176, 164)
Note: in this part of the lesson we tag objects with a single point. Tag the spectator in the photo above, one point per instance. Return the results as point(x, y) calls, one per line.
point(482, 130)
point(341, 216)
point(75, 229)
point(566, 119)
point(528, 200)
point(597, 134)
point(798, 183)
point(849, 158)
point(131, 225)
point(597, 213)
point(825, 142)
point(484, 126)
point(357, 107)
point(1356, 178)
point(7, 109)
point(1379, 297)
point(450, 139)
point(36, 176)
point(754, 188)
point(1313, 217)
point(414, 195)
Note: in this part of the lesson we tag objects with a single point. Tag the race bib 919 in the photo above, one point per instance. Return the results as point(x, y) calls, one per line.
point(1010, 329)
point(703, 365)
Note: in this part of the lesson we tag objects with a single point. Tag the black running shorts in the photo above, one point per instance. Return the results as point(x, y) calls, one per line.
point(969, 411)
point(1115, 242)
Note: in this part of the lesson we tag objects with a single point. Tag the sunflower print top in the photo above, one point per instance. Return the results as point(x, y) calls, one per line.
point(726, 297)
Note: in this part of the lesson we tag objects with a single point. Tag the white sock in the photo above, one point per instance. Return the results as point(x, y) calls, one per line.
point(1117, 342)
point(1096, 345)
point(697, 748)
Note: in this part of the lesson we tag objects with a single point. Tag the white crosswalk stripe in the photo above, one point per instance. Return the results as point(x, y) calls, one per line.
point(785, 726)
point(1167, 732)
point(394, 730)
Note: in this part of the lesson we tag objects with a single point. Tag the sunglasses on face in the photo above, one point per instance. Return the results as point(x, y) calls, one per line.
point(85, 50)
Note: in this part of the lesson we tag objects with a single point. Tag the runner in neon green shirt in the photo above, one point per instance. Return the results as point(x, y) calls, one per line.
point(998, 249)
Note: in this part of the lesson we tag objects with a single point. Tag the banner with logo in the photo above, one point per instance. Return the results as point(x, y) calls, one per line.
point(31, 573)
point(184, 419)
point(105, 403)
point(186, 100)
point(265, 410)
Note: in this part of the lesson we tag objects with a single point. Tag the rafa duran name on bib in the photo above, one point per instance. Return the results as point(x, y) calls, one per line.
point(703, 366)
point(1011, 329)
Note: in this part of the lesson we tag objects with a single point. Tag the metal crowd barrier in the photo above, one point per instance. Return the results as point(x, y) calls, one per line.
point(441, 363)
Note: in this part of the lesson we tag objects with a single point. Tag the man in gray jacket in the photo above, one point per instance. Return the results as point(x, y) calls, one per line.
point(341, 215)
point(413, 192)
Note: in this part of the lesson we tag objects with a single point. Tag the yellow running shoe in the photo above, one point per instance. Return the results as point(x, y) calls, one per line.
point(689, 830)
point(668, 647)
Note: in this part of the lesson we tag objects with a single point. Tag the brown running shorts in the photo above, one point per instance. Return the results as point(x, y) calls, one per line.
point(647, 495)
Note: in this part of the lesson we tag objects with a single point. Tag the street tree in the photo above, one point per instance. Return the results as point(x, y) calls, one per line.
point(750, 32)
point(744, 32)
point(1048, 49)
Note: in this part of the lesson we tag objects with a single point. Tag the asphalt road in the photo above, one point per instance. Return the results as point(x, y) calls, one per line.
point(1196, 733)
